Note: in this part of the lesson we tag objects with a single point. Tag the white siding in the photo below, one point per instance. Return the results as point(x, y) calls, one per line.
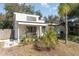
point(20, 17)
point(22, 29)
point(27, 17)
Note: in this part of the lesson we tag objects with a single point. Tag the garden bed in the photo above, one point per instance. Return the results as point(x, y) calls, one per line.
point(62, 49)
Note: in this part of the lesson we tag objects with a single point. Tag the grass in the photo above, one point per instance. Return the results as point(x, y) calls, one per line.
point(62, 49)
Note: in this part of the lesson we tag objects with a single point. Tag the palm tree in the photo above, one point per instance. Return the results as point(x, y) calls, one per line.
point(64, 9)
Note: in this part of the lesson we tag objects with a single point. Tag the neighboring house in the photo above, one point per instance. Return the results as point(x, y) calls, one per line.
point(73, 25)
point(35, 25)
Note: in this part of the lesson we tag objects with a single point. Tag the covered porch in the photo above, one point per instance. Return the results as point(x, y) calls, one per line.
point(36, 29)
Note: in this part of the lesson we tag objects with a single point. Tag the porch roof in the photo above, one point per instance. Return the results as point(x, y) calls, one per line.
point(36, 24)
point(32, 24)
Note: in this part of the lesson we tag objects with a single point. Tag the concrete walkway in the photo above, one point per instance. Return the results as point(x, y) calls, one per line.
point(8, 43)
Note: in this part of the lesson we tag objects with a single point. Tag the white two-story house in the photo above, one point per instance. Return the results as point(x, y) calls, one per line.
point(23, 21)
point(32, 22)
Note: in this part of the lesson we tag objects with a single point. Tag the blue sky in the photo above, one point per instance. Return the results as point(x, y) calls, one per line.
point(46, 9)
point(2, 8)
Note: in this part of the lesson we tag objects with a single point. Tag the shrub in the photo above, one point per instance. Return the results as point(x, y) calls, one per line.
point(50, 38)
point(23, 40)
point(26, 40)
point(1, 25)
point(74, 38)
point(47, 41)
point(6, 24)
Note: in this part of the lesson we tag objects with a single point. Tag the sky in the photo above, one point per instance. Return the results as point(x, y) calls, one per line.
point(45, 8)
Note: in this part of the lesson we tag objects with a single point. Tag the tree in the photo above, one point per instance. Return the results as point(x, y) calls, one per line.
point(53, 19)
point(15, 7)
point(64, 9)
point(56, 19)
point(38, 13)
point(10, 8)
point(74, 11)
point(46, 19)
point(50, 19)
point(26, 8)
point(1, 16)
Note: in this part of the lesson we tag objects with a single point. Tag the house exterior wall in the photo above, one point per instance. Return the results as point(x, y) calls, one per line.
point(27, 18)
point(5, 34)
point(20, 17)
point(15, 27)
point(19, 31)
point(22, 30)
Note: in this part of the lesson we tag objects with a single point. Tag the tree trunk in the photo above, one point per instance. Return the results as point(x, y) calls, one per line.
point(66, 24)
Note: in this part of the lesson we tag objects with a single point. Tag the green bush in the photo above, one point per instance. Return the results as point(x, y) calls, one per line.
point(74, 38)
point(50, 38)
point(23, 40)
point(6, 24)
point(26, 40)
point(47, 41)
point(1, 25)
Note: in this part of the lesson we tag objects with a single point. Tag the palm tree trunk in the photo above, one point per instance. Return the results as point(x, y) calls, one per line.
point(66, 41)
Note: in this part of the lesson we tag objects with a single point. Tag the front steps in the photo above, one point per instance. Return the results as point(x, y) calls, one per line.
point(8, 43)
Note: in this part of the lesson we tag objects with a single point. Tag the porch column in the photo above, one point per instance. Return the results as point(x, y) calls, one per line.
point(16, 31)
point(37, 31)
point(40, 30)
point(18, 34)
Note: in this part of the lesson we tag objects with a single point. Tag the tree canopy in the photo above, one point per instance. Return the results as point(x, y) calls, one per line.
point(38, 13)
point(72, 8)
point(64, 8)
point(74, 11)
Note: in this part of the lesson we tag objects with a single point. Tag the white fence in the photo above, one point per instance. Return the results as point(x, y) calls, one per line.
point(5, 34)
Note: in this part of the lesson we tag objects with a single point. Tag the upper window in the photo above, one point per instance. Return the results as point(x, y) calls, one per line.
point(29, 18)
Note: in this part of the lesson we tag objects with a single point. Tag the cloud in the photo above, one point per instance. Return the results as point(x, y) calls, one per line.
point(45, 5)
point(54, 8)
point(57, 5)
point(50, 8)
point(27, 4)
